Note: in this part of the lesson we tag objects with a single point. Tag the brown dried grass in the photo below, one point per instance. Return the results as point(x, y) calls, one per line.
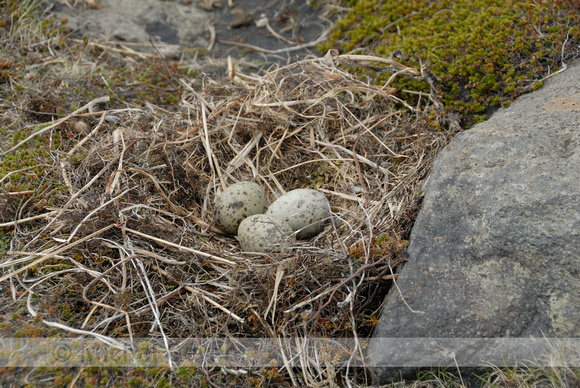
point(134, 245)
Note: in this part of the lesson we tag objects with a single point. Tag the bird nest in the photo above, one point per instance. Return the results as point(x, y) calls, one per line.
point(133, 249)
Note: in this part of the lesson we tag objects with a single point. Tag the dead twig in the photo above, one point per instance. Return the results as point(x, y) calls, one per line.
point(351, 277)
point(58, 122)
point(320, 39)
point(54, 253)
point(208, 256)
point(28, 219)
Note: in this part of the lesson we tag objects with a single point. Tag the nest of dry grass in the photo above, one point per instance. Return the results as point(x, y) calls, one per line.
point(133, 249)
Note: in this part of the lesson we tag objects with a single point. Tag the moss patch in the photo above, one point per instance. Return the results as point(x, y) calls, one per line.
point(484, 52)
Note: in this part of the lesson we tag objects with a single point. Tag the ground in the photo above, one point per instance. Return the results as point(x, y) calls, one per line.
point(146, 162)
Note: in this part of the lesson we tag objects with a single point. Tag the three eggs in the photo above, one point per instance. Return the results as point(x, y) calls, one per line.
point(241, 208)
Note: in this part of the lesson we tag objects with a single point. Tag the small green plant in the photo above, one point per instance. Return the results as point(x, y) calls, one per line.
point(484, 53)
point(4, 242)
point(384, 245)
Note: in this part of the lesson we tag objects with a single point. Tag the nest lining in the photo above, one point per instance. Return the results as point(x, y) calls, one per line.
point(134, 240)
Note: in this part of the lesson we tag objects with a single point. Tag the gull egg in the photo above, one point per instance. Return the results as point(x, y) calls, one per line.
point(262, 233)
point(305, 210)
point(237, 202)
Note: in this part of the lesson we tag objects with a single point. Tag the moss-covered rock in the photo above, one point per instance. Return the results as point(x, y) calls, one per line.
point(486, 52)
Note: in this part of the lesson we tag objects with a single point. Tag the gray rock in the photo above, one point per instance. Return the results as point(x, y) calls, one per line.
point(138, 21)
point(179, 27)
point(495, 250)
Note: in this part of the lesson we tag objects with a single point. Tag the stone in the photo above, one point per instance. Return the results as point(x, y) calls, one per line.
point(138, 21)
point(175, 26)
point(495, 250)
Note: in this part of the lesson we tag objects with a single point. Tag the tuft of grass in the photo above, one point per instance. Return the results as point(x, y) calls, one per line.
point(561, 368)
point(484, 53)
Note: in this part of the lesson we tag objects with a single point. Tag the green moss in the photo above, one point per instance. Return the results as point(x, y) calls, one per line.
point(28, 167)
point(486, 52)
point(4, 242)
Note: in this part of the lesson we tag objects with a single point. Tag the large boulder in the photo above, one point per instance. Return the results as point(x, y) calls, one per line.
point(495, 250)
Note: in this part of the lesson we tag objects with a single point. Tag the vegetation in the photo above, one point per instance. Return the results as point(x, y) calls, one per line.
point(46, 74)
point(483, 53)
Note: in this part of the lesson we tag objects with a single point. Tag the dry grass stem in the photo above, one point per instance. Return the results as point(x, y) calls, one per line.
point(58, 122)
point(129, 236)
point(319, 40)
point(52, 254)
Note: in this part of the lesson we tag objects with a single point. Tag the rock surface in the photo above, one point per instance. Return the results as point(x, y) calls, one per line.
point(495, 250)
point(182, 27)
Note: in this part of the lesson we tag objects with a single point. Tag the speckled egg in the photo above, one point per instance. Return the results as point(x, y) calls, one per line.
point(237, 202)
point(305, 210)
point(264, 234)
